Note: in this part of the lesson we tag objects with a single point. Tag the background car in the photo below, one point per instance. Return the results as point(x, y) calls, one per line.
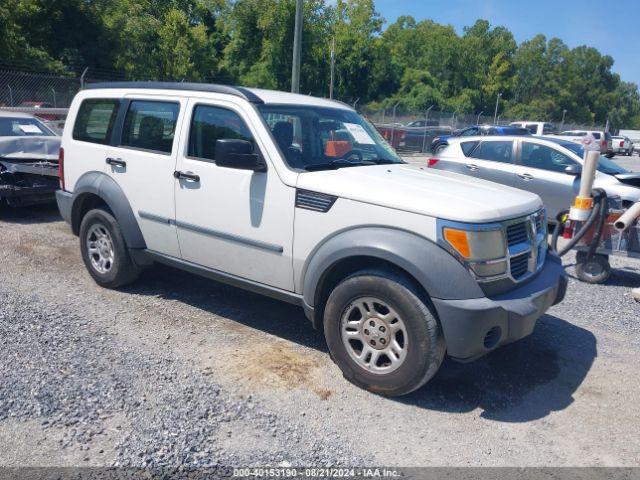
point(548, 166)
point(441, 141)
point(604, 139)
point(536, 128)
point(622, 145)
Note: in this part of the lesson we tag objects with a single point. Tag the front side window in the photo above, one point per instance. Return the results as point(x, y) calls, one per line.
point(469, 132)
point(495, 151)
point(210, 124)
point(150, 125)
point(317, 138)
point(95, 120)
point(544, 157)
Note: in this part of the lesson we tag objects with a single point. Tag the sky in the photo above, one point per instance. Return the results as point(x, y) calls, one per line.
point(611, 26)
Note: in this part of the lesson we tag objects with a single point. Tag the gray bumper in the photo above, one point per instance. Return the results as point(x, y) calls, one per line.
point(65, 201)
point(476, 326)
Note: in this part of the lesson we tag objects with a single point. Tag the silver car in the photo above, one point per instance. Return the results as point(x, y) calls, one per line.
point(548, 166)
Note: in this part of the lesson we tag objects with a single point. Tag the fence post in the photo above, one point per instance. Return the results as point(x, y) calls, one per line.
point(384, 110)
point(55, 103)
point(426, 121)
point(393, 121)
point(82, 77)
point(479, 115)
point(10, 96)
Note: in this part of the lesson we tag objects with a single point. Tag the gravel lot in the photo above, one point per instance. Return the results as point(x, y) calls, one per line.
point(181, 371)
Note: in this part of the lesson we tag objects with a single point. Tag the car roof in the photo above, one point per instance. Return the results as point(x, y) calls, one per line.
point(253, 95)
point(10, 114)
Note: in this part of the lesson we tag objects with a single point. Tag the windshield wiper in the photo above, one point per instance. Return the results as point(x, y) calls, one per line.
point(337, 163)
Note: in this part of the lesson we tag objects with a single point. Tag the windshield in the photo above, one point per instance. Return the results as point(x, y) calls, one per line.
point(23, 127)
point(604, 164)
point(317, 138)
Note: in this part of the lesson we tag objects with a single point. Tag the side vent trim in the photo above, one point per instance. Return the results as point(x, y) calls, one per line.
point(318, 202)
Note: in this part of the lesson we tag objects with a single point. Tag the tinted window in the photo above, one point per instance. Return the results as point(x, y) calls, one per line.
point(544, 157)
point(150, 125)
point(532, 127)
point(210, 124)
point(467, 147)
point(469, 132)
point(596, 135)
point(496, 151)
point(548, 128)
point(95, 120)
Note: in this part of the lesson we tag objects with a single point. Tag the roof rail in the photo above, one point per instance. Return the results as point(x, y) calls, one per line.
point(197, 87)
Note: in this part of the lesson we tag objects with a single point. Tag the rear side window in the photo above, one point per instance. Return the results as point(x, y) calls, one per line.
point(95, 120)
point(468, 147)
point(596, 135)
point(150, 125)
point(210, 124)
point(495, 151)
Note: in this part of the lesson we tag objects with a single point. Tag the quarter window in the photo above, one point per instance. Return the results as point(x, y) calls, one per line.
point(544, 157)
point(496, 151)
point(210, 124)
point(467, 147)
point(95, 120)
point(150, 125)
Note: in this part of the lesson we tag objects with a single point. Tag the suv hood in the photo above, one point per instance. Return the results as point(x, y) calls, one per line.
point(416, 189)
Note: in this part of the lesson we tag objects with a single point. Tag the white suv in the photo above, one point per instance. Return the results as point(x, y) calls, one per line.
point(301, 199)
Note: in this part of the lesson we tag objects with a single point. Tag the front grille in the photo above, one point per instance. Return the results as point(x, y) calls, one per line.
point(520, 265)
point(517, 233)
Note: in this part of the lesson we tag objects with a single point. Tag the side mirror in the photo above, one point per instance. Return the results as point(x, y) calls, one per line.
point(573, 170)
point(238, 154)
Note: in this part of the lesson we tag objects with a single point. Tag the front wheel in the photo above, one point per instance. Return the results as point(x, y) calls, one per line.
point(382, 333)
point(596, 270)
point(104, 251)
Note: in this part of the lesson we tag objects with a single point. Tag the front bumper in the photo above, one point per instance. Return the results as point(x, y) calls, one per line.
point(475, 326)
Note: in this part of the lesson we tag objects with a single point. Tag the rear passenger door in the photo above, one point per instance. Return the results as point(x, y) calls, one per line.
point(142, 162)
point(493, 160)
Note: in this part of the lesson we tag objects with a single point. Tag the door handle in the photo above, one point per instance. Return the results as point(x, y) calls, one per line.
point(526, 176)
point(472, 167)
point(116, 162)
point(189, 177)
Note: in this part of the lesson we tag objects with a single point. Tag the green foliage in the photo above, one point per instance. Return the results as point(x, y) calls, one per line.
point(250, 42)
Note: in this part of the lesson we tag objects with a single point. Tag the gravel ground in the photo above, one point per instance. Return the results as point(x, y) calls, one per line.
point(181, 371)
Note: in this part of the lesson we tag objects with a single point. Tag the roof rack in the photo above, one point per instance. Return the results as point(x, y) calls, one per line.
point(197, 87)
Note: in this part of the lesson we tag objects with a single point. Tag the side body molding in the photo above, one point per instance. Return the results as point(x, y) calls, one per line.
point(100, 184)
point(439, 273)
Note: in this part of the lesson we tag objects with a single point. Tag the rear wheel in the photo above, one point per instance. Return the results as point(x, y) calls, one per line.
point(104, 250)
point(382, 333)
point(594, 270)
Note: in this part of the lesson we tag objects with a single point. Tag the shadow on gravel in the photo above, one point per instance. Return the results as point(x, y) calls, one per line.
point(520, 382)
point(256, 311)
point(28, 215)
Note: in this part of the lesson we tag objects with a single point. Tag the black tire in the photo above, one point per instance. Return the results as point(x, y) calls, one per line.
point(597, 270)
point(609, 155)
point(425, 347)
point(122, 270)
point(440, 148)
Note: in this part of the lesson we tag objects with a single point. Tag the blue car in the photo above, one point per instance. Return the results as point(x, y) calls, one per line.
point(442, 141)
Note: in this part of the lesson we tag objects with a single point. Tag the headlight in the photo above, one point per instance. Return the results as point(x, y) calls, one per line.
point(482, 248)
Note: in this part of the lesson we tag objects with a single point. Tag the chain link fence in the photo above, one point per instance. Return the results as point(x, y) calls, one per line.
point(23, 88)
point(413, 131)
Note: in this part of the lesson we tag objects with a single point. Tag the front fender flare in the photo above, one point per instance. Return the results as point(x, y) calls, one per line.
point(439, 273)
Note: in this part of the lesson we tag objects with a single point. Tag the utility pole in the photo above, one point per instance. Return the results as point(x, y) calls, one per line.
point(297, 48)
point(495, 115)
point(333, 66)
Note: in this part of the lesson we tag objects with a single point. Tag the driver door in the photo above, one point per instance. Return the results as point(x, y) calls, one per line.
point(235, 221)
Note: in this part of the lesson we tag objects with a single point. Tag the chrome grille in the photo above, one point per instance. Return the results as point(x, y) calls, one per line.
point(517, 233)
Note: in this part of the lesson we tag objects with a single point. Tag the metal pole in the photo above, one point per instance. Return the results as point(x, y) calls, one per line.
point(10, 96)
point(453, 119)
point(333, 66)
point(495, 114)
point(55, 104)
point(393, 123)
point(82, 77)
point(426, 121)
point(384, 110)
point(479, 115)
point(297, 48)
point(564, 112)
point(356, 102)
